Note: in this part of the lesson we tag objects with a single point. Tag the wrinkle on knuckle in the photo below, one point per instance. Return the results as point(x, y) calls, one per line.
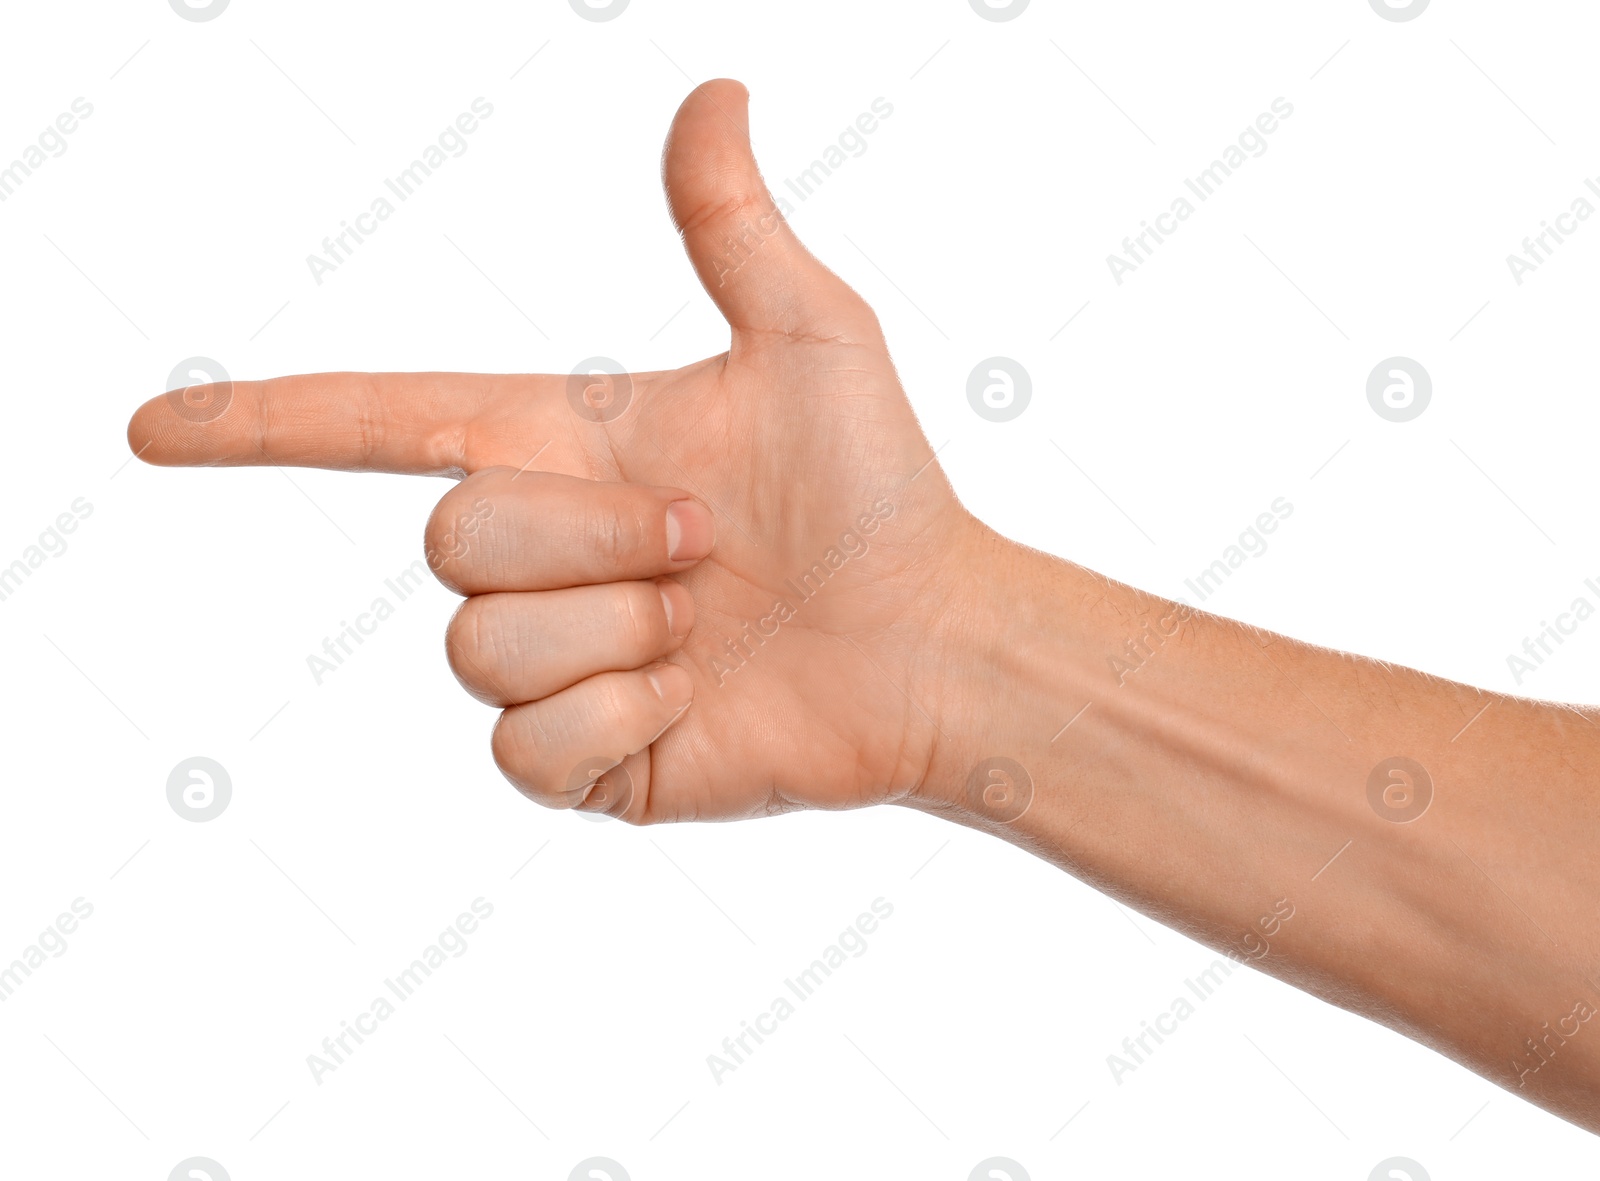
point(262, 419)
point(371, 428)
point(472, 648)
point(708, 211)
point(613, 707)
point(459, 636)
point(445, 540)
point(433, 533)
point(503, 746)
point(638, 624)
point(447, 449)
point(517, 753)
point(616, 533)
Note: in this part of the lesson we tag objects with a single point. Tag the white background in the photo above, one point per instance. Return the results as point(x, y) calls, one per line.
point(366, 813)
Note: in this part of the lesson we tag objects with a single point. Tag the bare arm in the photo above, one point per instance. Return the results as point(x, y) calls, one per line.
point(1409, 848)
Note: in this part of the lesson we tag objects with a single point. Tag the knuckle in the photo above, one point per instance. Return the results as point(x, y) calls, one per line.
point(465, 629)
point(600, 701)
point(456, 522)
point(641, 622)
point(461, 637)
point(370, 425)
point(505, 747)
point(618, 534)
point(517, 755)
point(613, 706)
point(471, 645)
point(448, 448)
point(435, 532)
point(722, 206)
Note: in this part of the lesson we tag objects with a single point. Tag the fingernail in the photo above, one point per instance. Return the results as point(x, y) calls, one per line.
point(690, 531)
point(676, 624)
point(673, 686)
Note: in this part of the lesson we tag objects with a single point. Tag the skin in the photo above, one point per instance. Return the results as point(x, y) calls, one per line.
point(632, 556)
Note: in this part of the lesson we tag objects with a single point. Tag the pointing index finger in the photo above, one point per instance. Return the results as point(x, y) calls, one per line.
point(411, 423)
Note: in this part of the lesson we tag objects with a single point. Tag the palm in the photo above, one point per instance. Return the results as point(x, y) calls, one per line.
point(792, 444)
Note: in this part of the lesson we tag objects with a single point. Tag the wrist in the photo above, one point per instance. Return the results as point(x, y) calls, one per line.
point(1020, 652)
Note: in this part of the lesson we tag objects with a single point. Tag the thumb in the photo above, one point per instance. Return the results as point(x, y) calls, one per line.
point(747, 257)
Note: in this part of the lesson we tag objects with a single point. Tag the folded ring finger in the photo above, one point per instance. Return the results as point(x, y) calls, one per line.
point(509, 647)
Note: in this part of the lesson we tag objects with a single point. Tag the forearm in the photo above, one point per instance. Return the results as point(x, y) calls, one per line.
point(1222, 779)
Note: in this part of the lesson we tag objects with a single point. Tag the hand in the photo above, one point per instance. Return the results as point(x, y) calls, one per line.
point(784, 664)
